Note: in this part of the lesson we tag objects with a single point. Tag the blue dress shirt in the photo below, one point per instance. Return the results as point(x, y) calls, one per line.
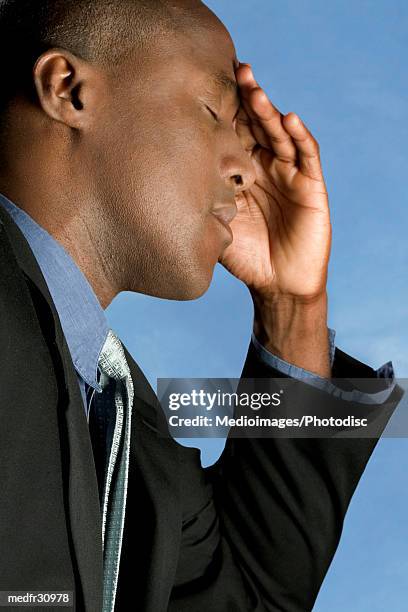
point(83, 320)
point(85, 325)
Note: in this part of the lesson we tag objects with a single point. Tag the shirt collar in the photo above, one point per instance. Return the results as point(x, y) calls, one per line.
point(83, 319)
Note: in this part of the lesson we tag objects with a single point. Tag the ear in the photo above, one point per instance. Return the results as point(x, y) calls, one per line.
point(62, 82)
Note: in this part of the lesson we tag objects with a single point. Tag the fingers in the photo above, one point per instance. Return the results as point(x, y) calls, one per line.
point(286, 135)
point(308, 148)
point(267, 120)
point(244, 131)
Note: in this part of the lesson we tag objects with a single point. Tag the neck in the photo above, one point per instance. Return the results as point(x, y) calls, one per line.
point(56, 193)
point(67, 215)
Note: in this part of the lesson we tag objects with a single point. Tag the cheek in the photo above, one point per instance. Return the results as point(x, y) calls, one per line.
point(164, 181)
point(168, 151)
point(176, 170)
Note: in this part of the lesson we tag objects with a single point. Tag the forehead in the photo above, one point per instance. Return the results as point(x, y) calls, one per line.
point(206, 54)
point(202, 54)
point(210, 43)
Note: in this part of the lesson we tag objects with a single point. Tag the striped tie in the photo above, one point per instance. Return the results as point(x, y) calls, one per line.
point(117, 385)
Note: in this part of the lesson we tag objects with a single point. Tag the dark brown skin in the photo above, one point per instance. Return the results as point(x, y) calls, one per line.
point(131, 170)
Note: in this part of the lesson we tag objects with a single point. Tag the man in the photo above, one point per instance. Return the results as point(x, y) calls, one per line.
point(137, 152)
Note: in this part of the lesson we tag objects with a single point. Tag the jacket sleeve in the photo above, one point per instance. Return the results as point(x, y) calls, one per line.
point(281, 502)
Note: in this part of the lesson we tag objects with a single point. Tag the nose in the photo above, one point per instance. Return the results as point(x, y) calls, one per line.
point(238, 169)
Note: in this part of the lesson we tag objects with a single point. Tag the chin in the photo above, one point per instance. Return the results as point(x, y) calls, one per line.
point(186, 287)
point(185, 279)
point(177, 290)
point(187, 291)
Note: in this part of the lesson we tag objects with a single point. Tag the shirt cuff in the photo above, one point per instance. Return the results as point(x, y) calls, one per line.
point(311, 378)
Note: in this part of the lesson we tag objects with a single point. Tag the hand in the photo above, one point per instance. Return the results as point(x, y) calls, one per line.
point(282, 232)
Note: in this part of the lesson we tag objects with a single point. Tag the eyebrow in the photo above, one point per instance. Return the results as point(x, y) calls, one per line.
point(223, 81)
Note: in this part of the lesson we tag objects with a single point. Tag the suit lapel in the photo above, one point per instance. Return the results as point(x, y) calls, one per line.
point(83, 510)
point(153, 523)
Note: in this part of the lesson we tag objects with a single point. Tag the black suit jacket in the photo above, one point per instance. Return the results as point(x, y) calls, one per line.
point(254, 532)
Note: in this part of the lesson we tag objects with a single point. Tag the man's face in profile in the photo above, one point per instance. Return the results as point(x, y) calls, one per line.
point(168, 155)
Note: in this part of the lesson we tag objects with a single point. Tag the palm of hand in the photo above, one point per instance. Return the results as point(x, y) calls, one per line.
point(282, 232)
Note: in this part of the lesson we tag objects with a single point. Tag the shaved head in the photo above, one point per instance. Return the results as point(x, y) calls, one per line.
point(102, 31)
point(124, 145)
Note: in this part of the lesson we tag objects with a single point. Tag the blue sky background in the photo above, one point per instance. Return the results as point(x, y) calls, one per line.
point(342, 67)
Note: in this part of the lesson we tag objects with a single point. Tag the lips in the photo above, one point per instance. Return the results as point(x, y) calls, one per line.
point(225, 213)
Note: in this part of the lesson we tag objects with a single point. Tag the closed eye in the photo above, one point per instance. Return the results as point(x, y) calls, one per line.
point(212, 112)
point(215, 116)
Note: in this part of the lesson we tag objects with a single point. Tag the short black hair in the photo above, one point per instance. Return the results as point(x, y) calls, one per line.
point(99, 31)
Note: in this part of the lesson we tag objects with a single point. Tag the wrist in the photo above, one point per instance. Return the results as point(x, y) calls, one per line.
point(294, 330)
